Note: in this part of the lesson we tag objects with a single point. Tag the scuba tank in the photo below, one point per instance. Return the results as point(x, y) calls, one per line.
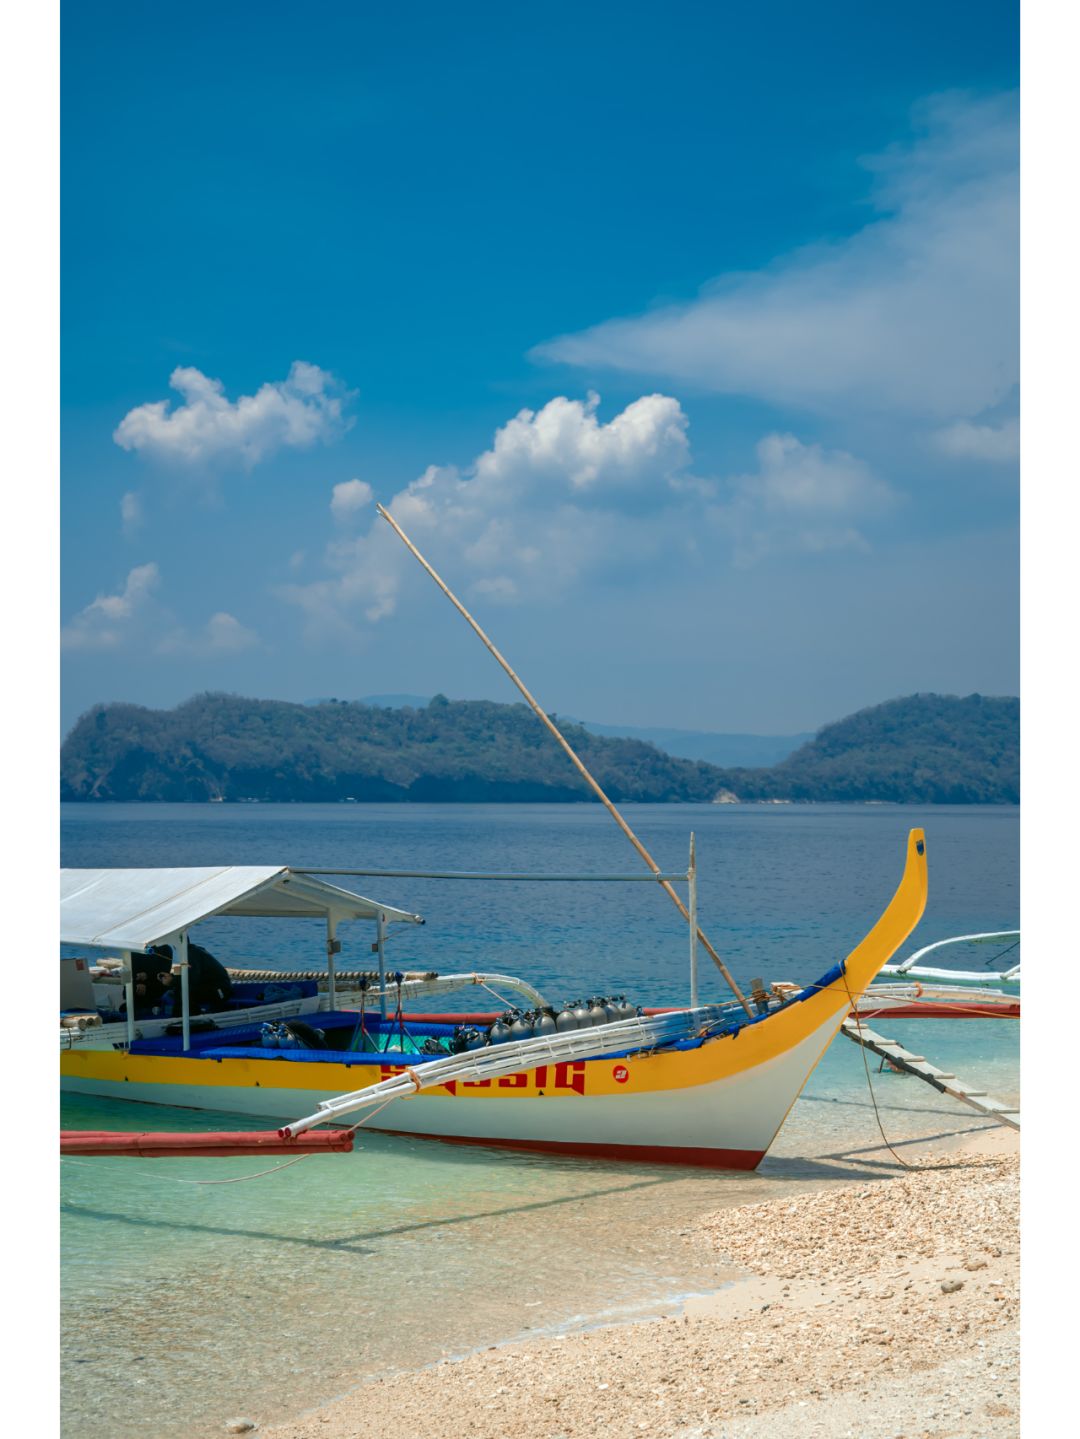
point(303, 1036)
point(545, 1021)
point(566, 1019)
point(268, 1037)
point(597, 1012)
point(474, 1038)
point(611, 1009)
point(499, 1032)
point(581, 1014)
point(522, 1027)
point(626, 1010)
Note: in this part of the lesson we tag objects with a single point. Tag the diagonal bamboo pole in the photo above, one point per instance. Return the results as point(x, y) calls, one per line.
point(546, 720)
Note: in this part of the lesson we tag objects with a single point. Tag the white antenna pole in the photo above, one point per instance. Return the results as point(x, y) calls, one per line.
point(129, 995)
point(380, 941)
point(185, 996)
point(691, 876)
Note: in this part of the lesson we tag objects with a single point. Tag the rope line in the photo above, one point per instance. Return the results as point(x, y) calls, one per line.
point(869, 1083)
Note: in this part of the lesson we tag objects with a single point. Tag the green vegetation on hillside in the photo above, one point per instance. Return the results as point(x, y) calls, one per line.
point(927, 749)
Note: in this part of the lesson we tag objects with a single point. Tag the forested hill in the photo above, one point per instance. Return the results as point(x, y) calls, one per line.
point(927, 748)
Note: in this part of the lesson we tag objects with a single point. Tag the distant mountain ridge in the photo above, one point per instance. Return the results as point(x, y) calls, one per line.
point(928, 749)
point(725, 750)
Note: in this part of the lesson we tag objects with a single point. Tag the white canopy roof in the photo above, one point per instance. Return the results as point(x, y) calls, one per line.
point(134, 908)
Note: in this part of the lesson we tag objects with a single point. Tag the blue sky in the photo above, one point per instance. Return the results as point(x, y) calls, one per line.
point(684, 340)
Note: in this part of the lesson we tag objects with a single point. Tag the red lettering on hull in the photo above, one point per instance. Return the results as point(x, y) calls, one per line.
point(571, 1076)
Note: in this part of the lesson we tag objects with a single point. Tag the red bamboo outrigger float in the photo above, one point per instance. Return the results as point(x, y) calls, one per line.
point(223, 1144)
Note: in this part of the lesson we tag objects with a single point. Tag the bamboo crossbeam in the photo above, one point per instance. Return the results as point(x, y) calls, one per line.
point(551, 726)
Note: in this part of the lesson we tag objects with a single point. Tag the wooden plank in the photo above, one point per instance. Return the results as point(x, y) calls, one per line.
point(918, 1065)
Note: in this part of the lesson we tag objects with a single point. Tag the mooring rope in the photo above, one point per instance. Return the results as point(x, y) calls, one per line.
point(869, 1083)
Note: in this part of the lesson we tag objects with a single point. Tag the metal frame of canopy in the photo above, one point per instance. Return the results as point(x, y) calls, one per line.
point(130, 909)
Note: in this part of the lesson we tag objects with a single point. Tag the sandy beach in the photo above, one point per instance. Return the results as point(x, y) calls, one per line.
point(880, 1309)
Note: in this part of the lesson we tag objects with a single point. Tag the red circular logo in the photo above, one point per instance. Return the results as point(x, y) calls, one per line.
point(621, 1073)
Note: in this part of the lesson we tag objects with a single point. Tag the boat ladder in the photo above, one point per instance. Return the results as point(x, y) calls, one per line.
point(917, 1065)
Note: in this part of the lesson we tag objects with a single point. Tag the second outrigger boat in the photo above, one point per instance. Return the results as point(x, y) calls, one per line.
point(707, 1085)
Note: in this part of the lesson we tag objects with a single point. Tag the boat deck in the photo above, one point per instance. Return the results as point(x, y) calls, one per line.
point(382, 1040)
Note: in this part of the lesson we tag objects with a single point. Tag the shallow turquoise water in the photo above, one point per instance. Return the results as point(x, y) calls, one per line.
point(185, 1302)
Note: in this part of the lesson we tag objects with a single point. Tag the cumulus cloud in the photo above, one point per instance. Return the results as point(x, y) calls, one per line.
point(561, 494)
point(966, 441)
point(526, 516)
point(105, 621)
point(305, 408)
point(223, 634)
point(914, 314)
point(349, 497)
point(131, 513)
point(802, 498)
point(565, 443)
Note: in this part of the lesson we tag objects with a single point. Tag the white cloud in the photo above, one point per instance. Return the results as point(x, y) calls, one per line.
point(566, 443)
point(801, 497)
point(131, 512)
point(916, 313)
point(349, 497)
point(560, 494)
point(293, 413)
point(223, 634)
point(965, 441)
point(106, 620)
point(527, 516)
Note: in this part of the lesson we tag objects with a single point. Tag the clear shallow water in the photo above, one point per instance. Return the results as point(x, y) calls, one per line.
point(183, 1303)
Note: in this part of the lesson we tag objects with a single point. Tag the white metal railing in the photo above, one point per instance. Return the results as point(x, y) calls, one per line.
point(525, 1054)
point(113, 1036)
point(437, 984)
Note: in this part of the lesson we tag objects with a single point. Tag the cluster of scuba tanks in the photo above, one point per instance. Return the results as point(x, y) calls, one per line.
point(518, 1024)
point(291, 1034)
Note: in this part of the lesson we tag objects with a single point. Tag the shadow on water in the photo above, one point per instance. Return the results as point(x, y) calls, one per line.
point(349, 1242)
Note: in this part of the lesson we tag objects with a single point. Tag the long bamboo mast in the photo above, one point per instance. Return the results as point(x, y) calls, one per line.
point(550, 724)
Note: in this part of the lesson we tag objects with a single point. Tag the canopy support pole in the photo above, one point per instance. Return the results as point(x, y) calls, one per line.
point(380, 938)
point(691, 876)
point(129, 995)
point(332, 948)
point(185, 995)
point(571, 754)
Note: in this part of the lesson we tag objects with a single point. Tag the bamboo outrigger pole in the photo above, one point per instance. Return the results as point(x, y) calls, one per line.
point(546, 720)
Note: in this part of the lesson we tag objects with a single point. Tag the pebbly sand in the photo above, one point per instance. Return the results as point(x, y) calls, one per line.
point(887, 1310)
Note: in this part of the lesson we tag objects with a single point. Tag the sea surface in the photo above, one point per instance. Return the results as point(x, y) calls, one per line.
point(185, 1301)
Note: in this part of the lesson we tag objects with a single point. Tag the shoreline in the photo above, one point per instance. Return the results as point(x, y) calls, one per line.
point(845, 1293)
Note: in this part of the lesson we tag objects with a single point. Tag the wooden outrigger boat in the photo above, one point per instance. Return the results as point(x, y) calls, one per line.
point(707, 1085)
point(916, 990)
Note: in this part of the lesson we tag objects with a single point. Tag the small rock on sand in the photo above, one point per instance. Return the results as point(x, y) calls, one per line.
point(239, 1426)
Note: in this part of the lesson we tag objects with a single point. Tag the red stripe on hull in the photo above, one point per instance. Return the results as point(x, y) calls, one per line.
point(639, 1153)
